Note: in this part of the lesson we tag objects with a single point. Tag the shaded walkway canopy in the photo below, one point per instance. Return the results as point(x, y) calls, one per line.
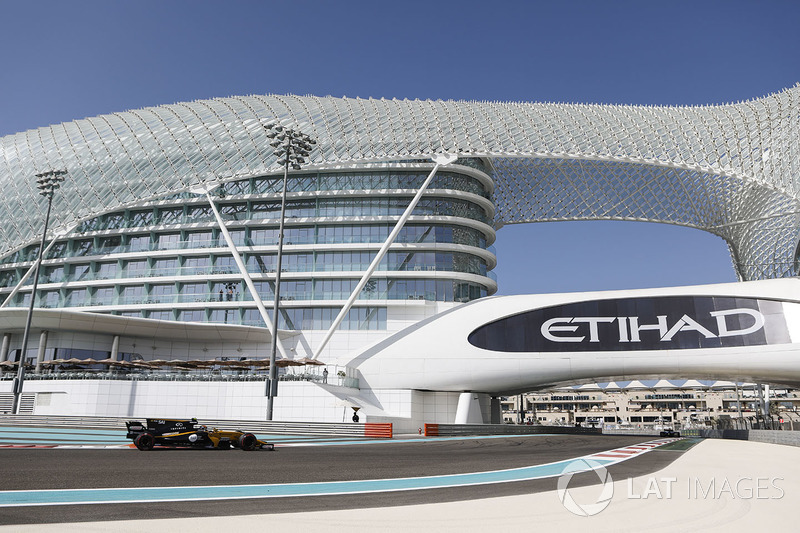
point(732, 169)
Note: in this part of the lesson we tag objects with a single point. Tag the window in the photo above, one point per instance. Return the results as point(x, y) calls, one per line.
point(366, 318)
point(171, 216)
point(224, 316)
point(264, 236)
point(53, 274)
point(268, 185)
point(103, 296)
point(262, 210)
point(110, 244)
point(80, 272)
point(82, 247)
point(162, 293)
point(9, 277)
point(141, 218)
point(58, 250)
point(193, 315)
point(261, 263)
point(194, 291)
point(136, 269)
point(193, 266)
point(165, 267)
point(234, 212)
point(169, 241)
point(237, 187)
point(132, 295)
point(200, 214)
point(139, 243)
point(113, 221)
point(237, 236)
point(199, 239)
point(224, 264)
point(76, 297)
point(50, 299)
point(106, 270)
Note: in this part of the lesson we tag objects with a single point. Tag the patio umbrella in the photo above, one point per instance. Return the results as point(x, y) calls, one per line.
point(256, 362)
point(223, 362)
point(121, 363)
point(309, 361)
point(287, 362)
point(156, 363)
point(88, 361)
point(181, 363)
point(71, 361)
point(200, 363)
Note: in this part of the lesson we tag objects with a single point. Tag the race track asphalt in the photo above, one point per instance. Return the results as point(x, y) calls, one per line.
point(29, 469)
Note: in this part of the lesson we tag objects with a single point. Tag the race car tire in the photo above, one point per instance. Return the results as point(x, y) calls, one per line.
point(145, 442)
point(248, 442)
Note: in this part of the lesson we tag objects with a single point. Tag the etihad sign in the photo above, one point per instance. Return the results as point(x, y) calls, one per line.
point(647, 323)
point(629, 328)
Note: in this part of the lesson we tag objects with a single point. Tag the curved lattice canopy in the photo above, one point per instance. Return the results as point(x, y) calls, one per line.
point(733, 170)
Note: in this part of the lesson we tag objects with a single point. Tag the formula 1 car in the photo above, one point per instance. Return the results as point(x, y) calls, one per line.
point(189, 433)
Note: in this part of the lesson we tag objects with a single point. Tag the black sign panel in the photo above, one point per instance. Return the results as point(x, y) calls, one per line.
point(653, 323)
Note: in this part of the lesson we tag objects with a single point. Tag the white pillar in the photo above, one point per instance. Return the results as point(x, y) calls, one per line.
point(469, 409)
point(4, 348)
point(40, 352)
point(114, 356)
point(761, 402)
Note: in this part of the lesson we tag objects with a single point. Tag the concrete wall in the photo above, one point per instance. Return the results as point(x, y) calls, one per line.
point(298, 401)
point(789, 438)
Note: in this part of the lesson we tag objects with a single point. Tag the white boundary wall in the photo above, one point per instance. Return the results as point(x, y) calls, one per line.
point(300, 401)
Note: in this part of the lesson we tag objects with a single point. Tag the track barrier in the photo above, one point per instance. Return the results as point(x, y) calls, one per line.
point(789, 438)
point(370, 430)
point(453, 430)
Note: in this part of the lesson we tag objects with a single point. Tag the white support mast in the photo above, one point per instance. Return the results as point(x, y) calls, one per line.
point(245, 274)
point(440, 160)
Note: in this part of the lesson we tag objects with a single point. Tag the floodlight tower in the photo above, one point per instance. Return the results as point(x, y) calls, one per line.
point(292, 148)
point(47, 182)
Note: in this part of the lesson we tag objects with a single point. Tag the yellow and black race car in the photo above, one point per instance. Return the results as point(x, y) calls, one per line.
point(189, 433)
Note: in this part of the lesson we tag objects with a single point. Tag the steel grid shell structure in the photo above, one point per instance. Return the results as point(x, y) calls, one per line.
point(732, 170)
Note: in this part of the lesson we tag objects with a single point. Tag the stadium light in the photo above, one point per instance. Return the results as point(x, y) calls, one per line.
point(47, 182)
point(291, 148)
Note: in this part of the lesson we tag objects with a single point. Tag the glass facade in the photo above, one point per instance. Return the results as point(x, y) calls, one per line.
point(168, 260)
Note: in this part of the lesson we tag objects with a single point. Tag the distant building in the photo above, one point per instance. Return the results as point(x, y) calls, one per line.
point(640, 407)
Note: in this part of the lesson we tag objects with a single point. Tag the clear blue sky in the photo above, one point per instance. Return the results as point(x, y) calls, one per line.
point(67, 60)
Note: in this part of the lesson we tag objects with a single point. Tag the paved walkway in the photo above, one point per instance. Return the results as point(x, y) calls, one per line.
point(719, 485)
